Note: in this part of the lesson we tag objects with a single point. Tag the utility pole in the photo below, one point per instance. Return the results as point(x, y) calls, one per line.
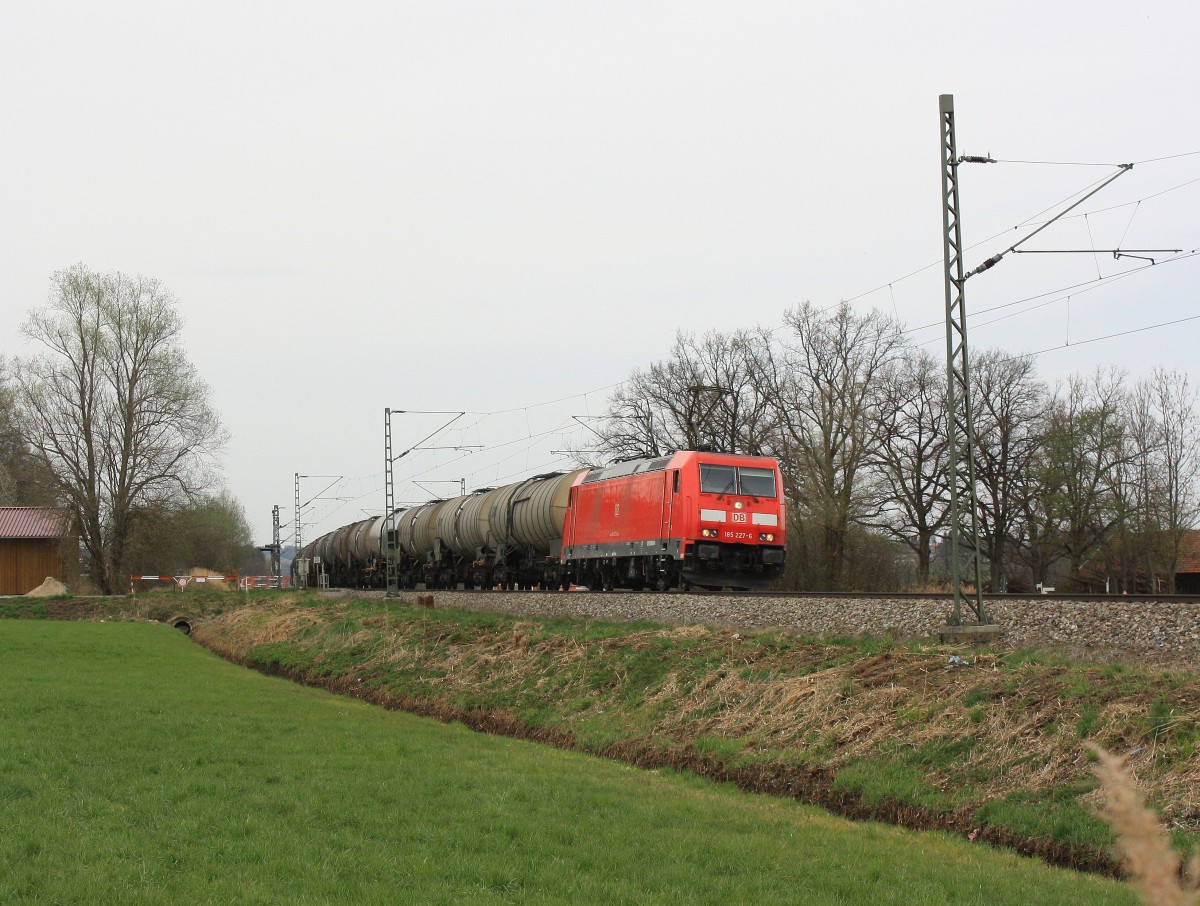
point(389, 487)
point(301, 577)
point(958, 373)
point(275, 549)
point(958, 381)
point(389, 504)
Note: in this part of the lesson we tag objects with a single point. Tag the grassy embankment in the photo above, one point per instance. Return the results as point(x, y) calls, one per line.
point(868, 727)
point(137, 768)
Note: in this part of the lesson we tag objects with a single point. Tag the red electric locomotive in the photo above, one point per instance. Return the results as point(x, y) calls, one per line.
point(712, 520)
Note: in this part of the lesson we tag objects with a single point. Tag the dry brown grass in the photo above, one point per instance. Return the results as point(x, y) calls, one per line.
point(254, 626)
point(1153, 866)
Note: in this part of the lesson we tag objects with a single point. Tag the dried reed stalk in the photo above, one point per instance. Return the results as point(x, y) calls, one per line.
point(1152, 865)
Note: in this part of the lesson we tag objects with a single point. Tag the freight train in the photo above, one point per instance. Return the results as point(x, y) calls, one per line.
point(709, 520)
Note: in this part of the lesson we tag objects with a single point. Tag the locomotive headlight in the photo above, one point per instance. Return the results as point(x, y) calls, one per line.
point(709, 533)
point(766, 536)
point(737, 505)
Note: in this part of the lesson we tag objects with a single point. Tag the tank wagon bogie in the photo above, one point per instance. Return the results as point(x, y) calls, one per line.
point(689, 518)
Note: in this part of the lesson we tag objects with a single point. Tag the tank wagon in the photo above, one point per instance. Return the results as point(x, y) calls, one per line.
point(689, 518)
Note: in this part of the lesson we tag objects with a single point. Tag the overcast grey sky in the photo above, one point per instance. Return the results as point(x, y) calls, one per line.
point(486, 206)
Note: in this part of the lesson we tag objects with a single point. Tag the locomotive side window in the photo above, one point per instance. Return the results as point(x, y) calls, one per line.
point(758, 482)
point(717, 479)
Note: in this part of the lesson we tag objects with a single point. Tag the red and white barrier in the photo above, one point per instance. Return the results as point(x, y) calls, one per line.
point(242, 582)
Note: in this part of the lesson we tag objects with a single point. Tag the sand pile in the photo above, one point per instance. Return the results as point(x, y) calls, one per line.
point(211, 579)
point(51, 588)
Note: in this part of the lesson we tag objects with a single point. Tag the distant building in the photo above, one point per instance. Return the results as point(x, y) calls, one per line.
point(1140, 564)
point(36, 542)
point(1187, 570)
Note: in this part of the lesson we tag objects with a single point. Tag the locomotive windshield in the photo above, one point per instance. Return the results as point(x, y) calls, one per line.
point(717, 479)
point(757, 482)
point(734, 479)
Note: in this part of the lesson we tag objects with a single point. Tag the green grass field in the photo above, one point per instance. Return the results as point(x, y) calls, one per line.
point(135, 767)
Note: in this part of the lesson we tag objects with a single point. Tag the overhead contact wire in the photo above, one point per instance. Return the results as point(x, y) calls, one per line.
point(1031, 220)
point(1111, 336)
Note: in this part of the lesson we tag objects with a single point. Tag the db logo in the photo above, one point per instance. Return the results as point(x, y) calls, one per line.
point(737, 517)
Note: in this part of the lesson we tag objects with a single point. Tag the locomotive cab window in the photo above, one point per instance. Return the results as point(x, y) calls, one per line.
point(717, 479)
point(757, 482)
point(743, 480)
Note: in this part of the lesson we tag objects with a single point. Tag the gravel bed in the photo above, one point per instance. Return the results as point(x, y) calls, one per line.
point(1160, 630)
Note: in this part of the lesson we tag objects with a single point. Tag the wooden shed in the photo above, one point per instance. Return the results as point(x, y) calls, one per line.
point(1187, 570)
point(35, 542)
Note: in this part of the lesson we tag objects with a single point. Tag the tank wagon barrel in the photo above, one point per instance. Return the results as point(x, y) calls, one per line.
point(365, 541)
point(456, 524)
point(339, 547)
point(539, 509)
point(508, 536)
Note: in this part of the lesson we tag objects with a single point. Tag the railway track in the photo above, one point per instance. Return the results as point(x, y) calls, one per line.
point(1160, 628)
point(816, 595)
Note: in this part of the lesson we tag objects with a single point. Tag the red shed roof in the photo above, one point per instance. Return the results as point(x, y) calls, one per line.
point(1189, 552)
point(33, 522)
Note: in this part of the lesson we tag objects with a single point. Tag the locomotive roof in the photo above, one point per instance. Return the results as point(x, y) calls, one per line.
point(629, 467)
point(652, 464)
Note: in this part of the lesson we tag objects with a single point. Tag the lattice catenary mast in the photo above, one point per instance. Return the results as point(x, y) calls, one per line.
point(958, 383)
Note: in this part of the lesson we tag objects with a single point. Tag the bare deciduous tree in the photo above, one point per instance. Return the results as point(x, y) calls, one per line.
point(1174, 404)
point(23, 480)
point(113, 408)
point(1133, 556)
point(706, 395)
point(827, 386)
point(1008, 402)
point(1079, 461)
point(913, 455)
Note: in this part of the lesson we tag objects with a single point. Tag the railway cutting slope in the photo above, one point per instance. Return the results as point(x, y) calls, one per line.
point(992, 746)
